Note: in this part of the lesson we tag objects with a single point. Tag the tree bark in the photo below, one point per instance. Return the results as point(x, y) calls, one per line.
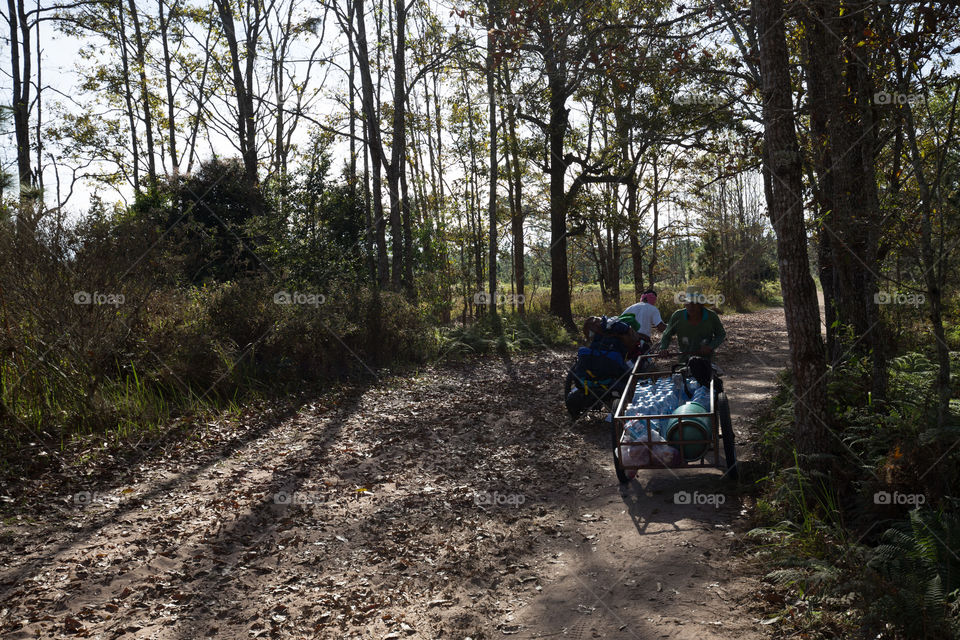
point(140, 54)
point(20, 35)
point(559, 202)
point(516, 208)
point(374, 144)
point(398, 149)
point(636, 253)
point(171, 119)
point(782, 158)
point(841, 97)
point(243, 88)
point(655, 238)
point(492, 203)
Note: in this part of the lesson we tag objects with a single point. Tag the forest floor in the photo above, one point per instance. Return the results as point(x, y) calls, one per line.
point(457, 501)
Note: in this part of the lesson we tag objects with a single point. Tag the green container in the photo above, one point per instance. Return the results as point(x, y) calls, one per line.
point(693, 429)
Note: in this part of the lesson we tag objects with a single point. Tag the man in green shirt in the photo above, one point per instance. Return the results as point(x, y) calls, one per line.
point(698, 330)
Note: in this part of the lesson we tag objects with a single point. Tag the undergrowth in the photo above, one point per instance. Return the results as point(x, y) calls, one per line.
point(870, 550)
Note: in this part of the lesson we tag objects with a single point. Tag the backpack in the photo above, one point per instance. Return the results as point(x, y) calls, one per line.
point(601, 368)
point(701, 369)
point(606, 332)
point(578, 402)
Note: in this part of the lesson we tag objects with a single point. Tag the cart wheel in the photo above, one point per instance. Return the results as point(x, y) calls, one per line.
point(726, 432)
point(616, 431)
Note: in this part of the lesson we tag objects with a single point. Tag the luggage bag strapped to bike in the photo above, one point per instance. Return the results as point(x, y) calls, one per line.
point(600, 372)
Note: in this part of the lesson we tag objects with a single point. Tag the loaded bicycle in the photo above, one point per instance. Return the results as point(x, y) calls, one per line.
point(667, 418)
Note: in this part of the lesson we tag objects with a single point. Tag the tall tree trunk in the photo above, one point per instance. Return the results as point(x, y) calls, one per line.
point(492, 204)
point(351, 91)
point(782, 157)
point(516, 213)
point(407, 213)
point(201, 92)
point(633, 230)
point(243, 88)
point(557, 90)
point(128, 97)
point(823, 192)
point(613, 240)
point(20, 35)
point(842, 91)
point(655, 238)
point(368, 241)
point(39, 125)
point(473, 208)
point(398, 148)
point(171, 119)
point(374, 144)
point(141, 57)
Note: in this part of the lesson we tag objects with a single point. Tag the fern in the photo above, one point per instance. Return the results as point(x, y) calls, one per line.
point(919, 562)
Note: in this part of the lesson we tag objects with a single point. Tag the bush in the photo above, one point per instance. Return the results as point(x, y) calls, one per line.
point(514, 332)
point(917, 576)
point(906, 579)
point(770, 293)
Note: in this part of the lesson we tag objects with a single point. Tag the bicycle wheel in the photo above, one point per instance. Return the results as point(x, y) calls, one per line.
point(616, 430)
point(726, 433)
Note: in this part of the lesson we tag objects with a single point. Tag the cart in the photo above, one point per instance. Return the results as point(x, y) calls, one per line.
point(717, 416)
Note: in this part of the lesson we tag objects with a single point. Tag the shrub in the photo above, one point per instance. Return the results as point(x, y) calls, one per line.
point(910, 582)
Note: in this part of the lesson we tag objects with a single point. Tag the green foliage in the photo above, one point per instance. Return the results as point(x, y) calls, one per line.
point(770, 292)
point(508, 334)
point(808, 522)
point(204, 222)
point(918, 575)
point(314, 230)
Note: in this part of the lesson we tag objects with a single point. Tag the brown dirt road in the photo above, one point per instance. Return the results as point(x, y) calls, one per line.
point(457, 502)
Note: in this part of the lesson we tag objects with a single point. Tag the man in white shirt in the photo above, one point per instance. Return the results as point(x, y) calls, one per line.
point(644, 317)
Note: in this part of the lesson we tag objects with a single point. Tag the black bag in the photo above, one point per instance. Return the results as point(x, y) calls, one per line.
point(701, 369)
point(601, 369)
point(600, 362)
point(578, 402)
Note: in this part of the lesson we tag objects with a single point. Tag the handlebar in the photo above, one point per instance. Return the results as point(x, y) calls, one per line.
point(664, 354)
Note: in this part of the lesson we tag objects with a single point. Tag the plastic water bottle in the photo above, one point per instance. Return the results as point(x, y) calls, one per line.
point(701, 397)
point(677, 385)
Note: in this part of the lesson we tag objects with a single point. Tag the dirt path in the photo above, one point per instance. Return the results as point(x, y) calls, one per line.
point(652, 563)
point(458, 502)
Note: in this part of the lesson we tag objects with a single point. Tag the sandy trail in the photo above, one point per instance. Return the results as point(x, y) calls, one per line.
point(458, 501)
point(647, 566)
